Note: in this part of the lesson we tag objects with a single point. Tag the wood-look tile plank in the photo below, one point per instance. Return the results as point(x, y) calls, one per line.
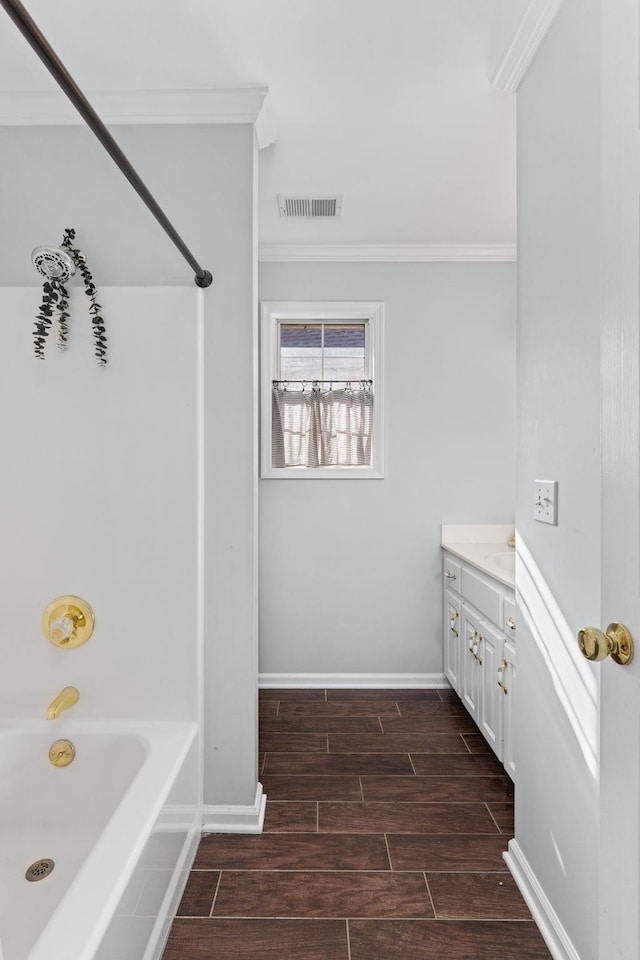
point(288, 693)
point(282, 725)
point(257, 940)
point(443, 789)
point(456, 765)
point(418, 798)
point(405, 818)
point(476, 896)
point(291, 851)
point(290, 816)
point(476, 743)
point(502, 813)
point(329, 895)
point(426, 708)
point(397, 743)
point(339, 708)
point(294, 743)
point(433, 723)
point(287, 787)
point(383, 694)
point(199, 893)
point(268, 708)
point(448, 694)
point(452, 853)
point(446, 940)
point(340, 764)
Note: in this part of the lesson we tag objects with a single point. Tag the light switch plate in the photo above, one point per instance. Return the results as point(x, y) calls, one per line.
point(545, 501)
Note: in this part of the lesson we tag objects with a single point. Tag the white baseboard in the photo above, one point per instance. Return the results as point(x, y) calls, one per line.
point(235, 818)
point(554, 935)
point(363, 681)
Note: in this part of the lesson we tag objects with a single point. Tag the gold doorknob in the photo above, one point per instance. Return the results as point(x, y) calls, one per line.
point(617, 643)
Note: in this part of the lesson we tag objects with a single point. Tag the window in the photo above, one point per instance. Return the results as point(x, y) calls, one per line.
point(321, 391)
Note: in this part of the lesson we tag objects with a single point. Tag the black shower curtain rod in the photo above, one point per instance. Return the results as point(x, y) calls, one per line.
point(56, 68)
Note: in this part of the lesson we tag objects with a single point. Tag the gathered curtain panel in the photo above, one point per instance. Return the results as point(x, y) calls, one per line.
point(322, 428)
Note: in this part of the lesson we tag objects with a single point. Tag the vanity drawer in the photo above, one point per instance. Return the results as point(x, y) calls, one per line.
point(482, 595)
point(509, 617)
point(452, 573)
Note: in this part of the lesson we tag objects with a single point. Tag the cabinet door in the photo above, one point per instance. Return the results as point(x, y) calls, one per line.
point(490, 650)
point(452, 639)
point(508, 681)
point(470, 665)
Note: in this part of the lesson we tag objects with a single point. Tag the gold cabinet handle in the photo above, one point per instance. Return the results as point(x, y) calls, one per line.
point(473, 643)
point(474, 647)
point(452, 623)
point(501, 669)
point(511, 623)
point(616, 642)
point(449, 575)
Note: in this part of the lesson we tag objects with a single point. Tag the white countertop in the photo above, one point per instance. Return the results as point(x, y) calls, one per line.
point(485, 546)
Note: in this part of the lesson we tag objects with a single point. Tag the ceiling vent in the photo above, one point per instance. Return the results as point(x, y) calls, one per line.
point(309, 207)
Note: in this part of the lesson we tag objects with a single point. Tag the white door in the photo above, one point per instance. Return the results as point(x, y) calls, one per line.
point(620, 686)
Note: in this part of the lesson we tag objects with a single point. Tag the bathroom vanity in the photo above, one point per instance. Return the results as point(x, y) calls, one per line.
point(478, 577)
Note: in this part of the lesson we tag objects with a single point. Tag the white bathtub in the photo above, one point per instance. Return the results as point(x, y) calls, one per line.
point(95, 818)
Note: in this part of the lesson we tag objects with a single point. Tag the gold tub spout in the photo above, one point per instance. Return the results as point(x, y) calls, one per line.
point(65, 699)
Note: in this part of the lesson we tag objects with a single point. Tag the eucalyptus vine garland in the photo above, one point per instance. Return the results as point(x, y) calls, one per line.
point(55, 299)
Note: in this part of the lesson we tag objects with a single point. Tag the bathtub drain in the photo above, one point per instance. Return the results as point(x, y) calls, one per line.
point(39, 869)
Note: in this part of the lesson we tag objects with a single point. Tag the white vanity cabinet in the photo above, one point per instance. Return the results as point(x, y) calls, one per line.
point(479, 650)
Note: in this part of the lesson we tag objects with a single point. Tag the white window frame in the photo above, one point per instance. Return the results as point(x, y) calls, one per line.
point(272, 313)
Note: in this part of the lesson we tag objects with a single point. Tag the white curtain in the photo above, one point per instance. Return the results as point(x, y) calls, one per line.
point(322, 428)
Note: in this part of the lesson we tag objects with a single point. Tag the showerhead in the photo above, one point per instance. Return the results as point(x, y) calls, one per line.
point(54, 263)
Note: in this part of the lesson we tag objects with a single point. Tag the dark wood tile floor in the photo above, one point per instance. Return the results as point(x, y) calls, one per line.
point(386, 822)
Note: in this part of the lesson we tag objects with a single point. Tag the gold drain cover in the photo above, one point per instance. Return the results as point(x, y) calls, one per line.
point(39, 869)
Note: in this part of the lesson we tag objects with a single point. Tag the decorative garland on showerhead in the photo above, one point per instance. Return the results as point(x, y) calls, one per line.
point(55, 299)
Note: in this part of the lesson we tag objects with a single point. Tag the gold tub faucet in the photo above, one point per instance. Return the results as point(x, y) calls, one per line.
point(65, 699)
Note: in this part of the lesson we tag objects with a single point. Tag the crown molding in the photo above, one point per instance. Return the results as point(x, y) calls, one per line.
point(390, 253)
point(264, 127)
point(51, 107)
point(532, 30)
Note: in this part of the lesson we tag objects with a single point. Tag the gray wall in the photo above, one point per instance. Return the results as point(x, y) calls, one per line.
point(350, 578)
point(558, 307)
point(53, 177)
point(558, 438)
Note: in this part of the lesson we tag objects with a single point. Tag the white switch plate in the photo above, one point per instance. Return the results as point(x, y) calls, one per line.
point(545, 501)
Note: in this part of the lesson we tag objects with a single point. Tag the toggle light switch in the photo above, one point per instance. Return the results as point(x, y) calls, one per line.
point(545, 501)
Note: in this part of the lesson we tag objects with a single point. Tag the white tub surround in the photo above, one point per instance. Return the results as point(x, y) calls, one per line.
point(96, 819)
point(485, 546)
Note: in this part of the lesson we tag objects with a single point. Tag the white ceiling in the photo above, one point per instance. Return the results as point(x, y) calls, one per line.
point(387, 102)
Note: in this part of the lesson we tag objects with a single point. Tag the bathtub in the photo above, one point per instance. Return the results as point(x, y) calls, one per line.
point(97, 819)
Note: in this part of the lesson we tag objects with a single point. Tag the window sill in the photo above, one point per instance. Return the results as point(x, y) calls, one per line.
point(322, 473)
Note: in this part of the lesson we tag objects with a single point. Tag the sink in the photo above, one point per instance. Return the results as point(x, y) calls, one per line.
point(506, 560)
